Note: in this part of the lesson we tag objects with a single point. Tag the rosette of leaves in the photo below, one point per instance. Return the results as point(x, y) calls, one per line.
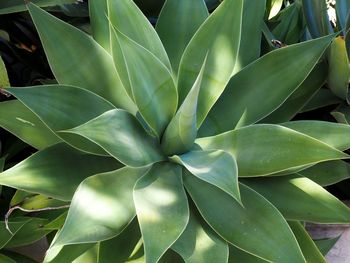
point(153, 136)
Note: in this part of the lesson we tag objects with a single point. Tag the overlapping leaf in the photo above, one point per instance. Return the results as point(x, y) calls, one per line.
point(56, 171)
point(241, 226)
point(162, 208)
point(266, 149)
point(269, 78)
point(122, 136)
point(218, 38)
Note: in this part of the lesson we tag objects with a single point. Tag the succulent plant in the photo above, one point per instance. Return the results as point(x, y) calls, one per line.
point(155, 138)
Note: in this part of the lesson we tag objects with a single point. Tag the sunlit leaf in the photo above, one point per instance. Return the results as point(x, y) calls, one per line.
point(161, 207)
point(266, 149)
point(56, 171)
point(176, 25)
point(218, 39)
point(241, 226)
point(121, 135)
point(301, 199)
point(85, 56)
point(101, 207)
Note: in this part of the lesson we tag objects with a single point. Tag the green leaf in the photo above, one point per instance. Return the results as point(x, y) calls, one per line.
point(98, 11)
point(259, 80)
point(252, 19)
point(301, 199)
point(176, 25)
point(218, 168)
point(31, 232)
point(15, 224)
point(241, 226)
point(342, 9)
point(154, 90)
point(327, 173)
point(79, 53)
point(161, 207)
point(181, 132)
point(266, 149)
point(299, 97)
point(101, 207)
point(4, 79)
point(316, 16)
point(325, 245)
point(273, 7)
point(200, 244)
point(122, 136)
point(56, 106)
point(218, 38)
point(339, 69)
point(20, 121)
point(337, 134)
point(56, 171)
point(237, 255)
point(342, 114)
point(64, 254)
point(17, 257)
point(13, 6)
point(128, 19)
point(310, 250)
point(5, 259)
point(121, 247)
point(323, 98)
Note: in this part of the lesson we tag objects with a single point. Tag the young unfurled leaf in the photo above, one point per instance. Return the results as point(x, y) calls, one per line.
point(149, 82)
point(181, 132)
point(161, 207)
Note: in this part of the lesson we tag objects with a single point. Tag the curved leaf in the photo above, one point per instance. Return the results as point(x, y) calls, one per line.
point(339, 69)
point(310, 250)
point(154, 90)
point(259, 80)
point(6, 259)
point(323, 98)
point(342, 9)
point(218, 168)
point(337, 134)
point(161, 207)
point(20, 121)
point(176, 25)
point(180, 134)
point(273, 7)
point(56, 106)
point(13, 6)
point(327, 173)
point(200, 244)
point(128, 19)
point(56, 171)
point(101, 207)
point(218, 38)
point(4, 79)
point(265, 149)
point(241, 226)
point(122, 136)
point(301, 199)
point(79, 52)
point(237, 255)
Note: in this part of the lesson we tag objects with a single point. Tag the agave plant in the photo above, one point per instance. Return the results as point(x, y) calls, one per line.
point(153, 136)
